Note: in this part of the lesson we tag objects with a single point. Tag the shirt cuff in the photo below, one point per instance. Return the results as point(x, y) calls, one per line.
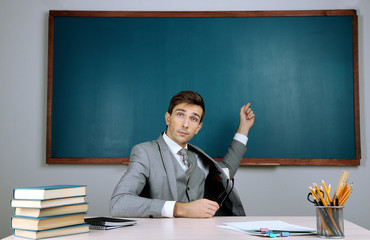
point(241, 138)
point(167, 210)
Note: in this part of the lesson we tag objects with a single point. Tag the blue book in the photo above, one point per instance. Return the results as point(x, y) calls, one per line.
point(50, 222)
point(49, 192)
point(55, 232)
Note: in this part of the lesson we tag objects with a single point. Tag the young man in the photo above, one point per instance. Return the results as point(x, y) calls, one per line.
point(164, 180)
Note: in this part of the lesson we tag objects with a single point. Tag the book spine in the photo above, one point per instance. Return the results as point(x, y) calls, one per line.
point(22, 236)
point(50, 237)
point(48, 198)
point(53, 216)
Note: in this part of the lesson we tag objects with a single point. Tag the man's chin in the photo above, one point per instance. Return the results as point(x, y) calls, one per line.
point(184, 139)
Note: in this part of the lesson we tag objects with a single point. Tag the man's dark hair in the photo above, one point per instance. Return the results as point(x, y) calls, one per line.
point(189, 97)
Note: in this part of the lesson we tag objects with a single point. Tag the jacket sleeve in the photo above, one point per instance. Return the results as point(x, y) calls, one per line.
point(126, 200)
point(232, 158)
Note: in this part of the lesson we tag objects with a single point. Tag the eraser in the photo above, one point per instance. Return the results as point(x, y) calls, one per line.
point(284, 234)
point(264, 229)
point(272, 235)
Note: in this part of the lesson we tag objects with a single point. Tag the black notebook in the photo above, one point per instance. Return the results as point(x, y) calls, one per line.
point(106, 223)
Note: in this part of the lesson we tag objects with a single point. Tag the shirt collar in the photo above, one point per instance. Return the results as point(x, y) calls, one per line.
point(172, 145)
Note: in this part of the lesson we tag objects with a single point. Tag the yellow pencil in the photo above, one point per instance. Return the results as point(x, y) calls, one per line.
point(314, 194)
point(320, 194)
point(345, 196)
point(343, 199)
point(326, 191)
point(343, 190)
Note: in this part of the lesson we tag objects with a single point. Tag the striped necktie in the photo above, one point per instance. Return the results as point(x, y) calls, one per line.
point(185, 159)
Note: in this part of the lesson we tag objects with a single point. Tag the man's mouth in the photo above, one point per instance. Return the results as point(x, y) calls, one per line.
point(182, 133)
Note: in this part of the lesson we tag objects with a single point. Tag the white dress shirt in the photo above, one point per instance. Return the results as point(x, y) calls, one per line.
point(167, 210)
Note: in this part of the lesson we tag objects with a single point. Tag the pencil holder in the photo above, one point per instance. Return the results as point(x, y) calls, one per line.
point(329, 222)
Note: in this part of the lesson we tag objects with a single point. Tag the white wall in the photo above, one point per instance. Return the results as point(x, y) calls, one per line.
point(23, 83)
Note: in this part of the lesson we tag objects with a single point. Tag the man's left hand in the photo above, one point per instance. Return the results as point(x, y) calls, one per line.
point(246, 119)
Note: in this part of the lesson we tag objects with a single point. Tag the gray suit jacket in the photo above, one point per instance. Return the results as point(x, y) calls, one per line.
point(150, 180)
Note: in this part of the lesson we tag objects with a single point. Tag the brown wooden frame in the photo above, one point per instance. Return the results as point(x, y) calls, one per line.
point(245, 161)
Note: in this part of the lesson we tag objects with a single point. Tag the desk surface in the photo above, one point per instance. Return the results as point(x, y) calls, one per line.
point(183, 228)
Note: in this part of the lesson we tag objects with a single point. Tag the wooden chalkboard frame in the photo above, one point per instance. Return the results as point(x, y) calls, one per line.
point(206, 14)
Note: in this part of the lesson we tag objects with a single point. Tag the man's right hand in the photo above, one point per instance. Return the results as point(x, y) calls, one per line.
point(202, 208)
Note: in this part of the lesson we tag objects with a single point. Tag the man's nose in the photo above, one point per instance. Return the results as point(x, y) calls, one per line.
point(186, 122)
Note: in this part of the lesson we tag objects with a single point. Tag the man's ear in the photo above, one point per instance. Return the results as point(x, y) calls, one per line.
point(199, 127)
point(167, 117)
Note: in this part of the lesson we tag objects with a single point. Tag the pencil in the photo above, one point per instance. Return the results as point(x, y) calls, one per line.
point(319, 193)
point(345, 196)
point(327, 192)
point(329, 189)
point(314, 194)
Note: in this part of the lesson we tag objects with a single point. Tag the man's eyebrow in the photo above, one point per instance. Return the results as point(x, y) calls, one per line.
point(183, 110)
point(196, 114)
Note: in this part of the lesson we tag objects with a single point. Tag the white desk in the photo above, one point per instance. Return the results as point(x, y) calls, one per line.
point(182, 228)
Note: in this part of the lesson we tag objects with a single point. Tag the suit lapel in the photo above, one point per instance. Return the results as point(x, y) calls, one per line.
point(168, 166)
point(219, 175)
point(205, 156)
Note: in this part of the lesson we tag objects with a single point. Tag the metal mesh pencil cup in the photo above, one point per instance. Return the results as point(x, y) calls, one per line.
point(329, 221)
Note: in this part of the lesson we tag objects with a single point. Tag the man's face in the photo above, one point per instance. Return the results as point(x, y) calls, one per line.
point(183, 123)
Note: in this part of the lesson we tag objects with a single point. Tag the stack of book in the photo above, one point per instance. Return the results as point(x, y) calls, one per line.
point(49, 211)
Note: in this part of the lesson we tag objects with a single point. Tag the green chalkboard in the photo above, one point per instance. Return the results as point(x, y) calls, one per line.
point(112, 75)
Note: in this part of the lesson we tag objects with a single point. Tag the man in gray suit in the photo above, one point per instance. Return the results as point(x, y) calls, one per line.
point(169, 177)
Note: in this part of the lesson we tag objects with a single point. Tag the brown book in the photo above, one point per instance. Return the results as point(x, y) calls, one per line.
point(44, 212)
point(43, 223)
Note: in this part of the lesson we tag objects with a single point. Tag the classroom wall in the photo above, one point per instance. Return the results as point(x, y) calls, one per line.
point(23, 84)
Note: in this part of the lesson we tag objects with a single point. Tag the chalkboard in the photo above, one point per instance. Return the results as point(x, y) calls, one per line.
point(112, 74)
